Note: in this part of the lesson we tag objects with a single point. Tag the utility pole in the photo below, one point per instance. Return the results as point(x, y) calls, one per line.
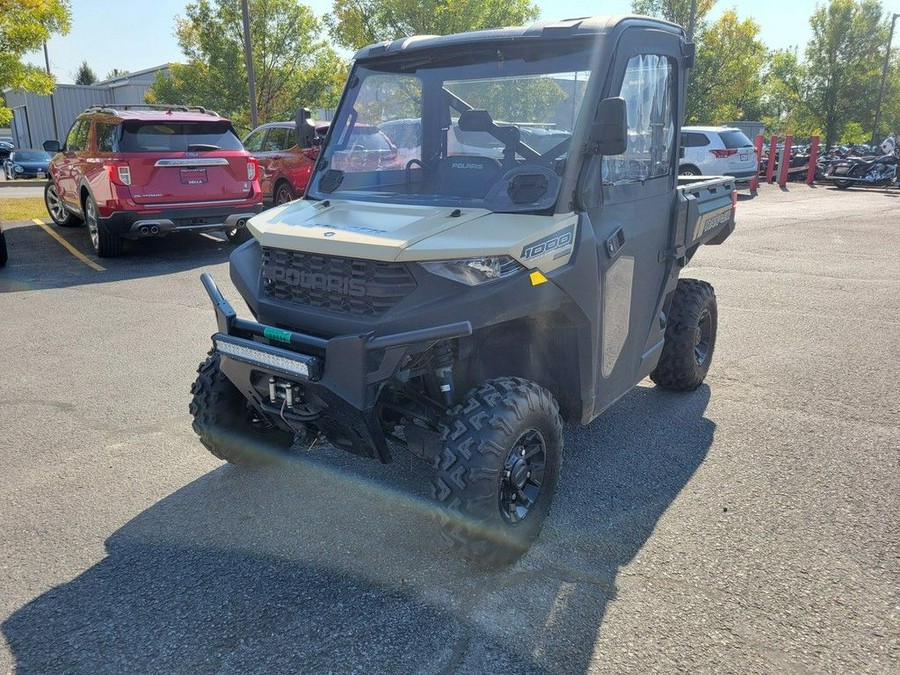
point(52, 103)
point(248, 58)
point(693, 18)
point(887, 61)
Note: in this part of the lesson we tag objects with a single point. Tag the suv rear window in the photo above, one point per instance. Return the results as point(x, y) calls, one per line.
point(735, 139)
point(177, 136)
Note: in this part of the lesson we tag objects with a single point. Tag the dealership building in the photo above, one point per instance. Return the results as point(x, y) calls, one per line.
point(41, 118)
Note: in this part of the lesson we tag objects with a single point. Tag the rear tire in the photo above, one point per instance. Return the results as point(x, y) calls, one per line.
point(238, 235)
point(4, 255)
point(106, 244)
point(689, 170)
point(497, 473)
point(59, 214)
point(842, 184)
point(690, 337)
point(222, 419)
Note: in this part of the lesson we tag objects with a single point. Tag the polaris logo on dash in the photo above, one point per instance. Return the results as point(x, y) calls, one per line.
point(466, 165)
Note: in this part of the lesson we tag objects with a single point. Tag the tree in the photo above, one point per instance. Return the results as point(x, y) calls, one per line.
point(725, 82)
point(356, 23)
point(84, 74)
point(676, 11)
point(115, 72)
point(293, 66)
point(844, 60)
point(24, 26)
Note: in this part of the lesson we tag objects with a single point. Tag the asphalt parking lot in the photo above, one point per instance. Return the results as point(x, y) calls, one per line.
point(750, 526)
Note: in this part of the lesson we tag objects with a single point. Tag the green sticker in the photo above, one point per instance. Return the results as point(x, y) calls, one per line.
point(277, 334)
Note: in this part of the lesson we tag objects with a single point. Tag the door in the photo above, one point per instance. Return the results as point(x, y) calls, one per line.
point(632, 213)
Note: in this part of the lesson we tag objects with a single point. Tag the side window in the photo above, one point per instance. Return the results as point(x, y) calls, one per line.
point(253, 142)
point(107, 137)
point(649, 92)
point(692, 139)
point(276, 139)
point(78, 135)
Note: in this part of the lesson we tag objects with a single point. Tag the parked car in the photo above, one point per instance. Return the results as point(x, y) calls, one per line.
point(26, 164)
point(149, 170)
point(6, 146)
point(365, 148)
point(717, 151)
point(284, 166)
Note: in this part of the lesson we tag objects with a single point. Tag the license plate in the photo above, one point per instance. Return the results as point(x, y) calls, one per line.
point(40, 174)
point(193, 176)
point(744, 156)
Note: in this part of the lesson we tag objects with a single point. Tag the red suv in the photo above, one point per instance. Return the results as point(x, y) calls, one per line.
point(284, 166)
point(147, 170)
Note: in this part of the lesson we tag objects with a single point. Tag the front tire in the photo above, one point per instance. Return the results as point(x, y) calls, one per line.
point(4, 255)
point(843, 184)
point(690, 337)
point(497, 473)
point(283, 193)
point(222, 419)
point(59, 214)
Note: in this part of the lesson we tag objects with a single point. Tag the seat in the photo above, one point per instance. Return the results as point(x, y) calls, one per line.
point(468, 176)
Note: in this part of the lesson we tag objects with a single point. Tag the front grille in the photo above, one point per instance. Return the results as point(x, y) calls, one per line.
point(361, 287)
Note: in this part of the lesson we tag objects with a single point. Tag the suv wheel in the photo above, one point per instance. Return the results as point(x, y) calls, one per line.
point(497, 473)
point(283, 193)
point(222, 419)
point(689, 170)
point(4, 256)
point(59, 214)
point(105, 243)
point(690, 337)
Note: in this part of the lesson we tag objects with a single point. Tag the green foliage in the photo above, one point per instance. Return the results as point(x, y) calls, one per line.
point(293, 66)
point(844, 60)
point(84, 74)
point(725, 83)
point(356, 23)
point(24, 26)
point(115, 72)
point(676, 11)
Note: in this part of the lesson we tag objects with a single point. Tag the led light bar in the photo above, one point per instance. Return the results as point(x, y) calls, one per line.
point(299, 366)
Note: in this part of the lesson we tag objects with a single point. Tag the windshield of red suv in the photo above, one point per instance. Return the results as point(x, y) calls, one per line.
point(480, 127)
point(148, 136)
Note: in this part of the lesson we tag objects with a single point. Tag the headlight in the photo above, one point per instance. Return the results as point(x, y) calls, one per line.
point(474, 271)
point(17, 168)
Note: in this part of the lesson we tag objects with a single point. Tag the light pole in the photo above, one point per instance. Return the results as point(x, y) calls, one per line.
point(691, 20)
point(52, 104)
point(248, 58)
point(887, 61)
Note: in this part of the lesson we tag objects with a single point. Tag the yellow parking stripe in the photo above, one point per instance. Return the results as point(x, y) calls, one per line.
point(66, 245)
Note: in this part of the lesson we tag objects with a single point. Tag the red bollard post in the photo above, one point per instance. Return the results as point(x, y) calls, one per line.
point(785, 160)
point(813, 157)
point(770, 169)
point(757, 146)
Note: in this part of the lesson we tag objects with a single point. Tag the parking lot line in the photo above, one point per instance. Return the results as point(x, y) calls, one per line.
point(66, 245)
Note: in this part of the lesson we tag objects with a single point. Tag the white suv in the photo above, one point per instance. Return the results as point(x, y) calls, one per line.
point(717, 151)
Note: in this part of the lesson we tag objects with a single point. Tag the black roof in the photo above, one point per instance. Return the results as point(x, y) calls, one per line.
point(585, 27)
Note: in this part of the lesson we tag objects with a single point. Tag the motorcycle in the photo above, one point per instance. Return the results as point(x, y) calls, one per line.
point(865, 172)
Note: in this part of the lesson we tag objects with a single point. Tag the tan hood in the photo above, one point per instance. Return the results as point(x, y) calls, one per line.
point(394, 232)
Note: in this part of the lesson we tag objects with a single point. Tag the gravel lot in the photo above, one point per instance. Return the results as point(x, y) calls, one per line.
point(751, 526)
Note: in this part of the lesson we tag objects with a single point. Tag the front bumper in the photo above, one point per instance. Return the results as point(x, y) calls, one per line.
point(343, 374)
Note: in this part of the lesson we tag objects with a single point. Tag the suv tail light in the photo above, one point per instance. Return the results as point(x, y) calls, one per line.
point(722, 154)
point(119, 173)
point(252, 168)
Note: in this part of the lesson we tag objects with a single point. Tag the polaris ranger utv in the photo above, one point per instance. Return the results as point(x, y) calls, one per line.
point(516, 268)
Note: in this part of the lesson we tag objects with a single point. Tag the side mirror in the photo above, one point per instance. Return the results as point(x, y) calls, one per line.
point(305, 132)
point(52, 146)
point(609, 132)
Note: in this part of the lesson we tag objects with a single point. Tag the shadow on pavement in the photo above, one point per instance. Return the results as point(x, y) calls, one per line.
point(329, 563)
point(37, 261)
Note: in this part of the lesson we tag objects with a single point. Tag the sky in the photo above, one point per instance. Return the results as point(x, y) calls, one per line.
point(133, 35)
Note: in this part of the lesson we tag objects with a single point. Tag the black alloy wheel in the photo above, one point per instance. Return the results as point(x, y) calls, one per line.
point(523, 476)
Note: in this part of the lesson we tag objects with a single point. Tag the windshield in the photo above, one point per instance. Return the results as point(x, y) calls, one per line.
point(31, 156)
point(486, 129)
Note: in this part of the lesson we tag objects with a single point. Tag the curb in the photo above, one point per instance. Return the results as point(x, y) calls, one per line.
point(32, 182)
